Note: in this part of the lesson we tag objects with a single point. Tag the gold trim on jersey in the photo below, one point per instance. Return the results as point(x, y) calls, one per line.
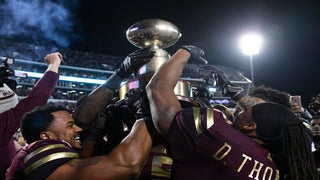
point(42, 149)
point(51, 157)
point(210, 118)
point(197, 119)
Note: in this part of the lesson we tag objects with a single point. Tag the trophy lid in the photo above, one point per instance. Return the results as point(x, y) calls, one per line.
point(153, 33)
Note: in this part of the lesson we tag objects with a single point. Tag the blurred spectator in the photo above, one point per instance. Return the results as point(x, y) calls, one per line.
point(19, 141)
point(314, 105)
point(315, 124)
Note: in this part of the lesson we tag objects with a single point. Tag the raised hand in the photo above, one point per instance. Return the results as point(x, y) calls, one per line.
point(196, 54)
point(134, 61)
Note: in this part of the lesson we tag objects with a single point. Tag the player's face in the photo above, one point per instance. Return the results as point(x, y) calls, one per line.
point(64, 128)
point(315, 124)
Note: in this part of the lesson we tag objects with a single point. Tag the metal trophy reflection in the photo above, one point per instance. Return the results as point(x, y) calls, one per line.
point(157, 34)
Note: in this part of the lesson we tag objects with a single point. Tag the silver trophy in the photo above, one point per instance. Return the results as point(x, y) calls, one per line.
point(157, 34)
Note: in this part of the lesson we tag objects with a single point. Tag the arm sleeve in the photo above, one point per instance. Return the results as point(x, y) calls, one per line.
point(38, 96)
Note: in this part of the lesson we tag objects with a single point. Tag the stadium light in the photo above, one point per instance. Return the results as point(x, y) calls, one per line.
point(250, 45)
point(64, 78)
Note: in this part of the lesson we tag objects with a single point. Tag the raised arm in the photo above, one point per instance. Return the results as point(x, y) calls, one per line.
point(96, 101)
point(38, 96)
point(124, 161)
point(160, 90)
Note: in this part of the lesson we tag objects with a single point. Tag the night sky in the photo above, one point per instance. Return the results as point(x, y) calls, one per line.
point(288, 61)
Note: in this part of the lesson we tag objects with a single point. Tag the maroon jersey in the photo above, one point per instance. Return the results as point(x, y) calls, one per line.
point(158, 165)
point(38, 160)
point(204, 146)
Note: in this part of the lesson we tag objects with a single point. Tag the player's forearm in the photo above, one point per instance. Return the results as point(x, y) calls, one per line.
point(91, 106)
point(96, 101)
point(133, 151)
point(169, 73)
point(45, 86)
point(160, 90)
point(53, 67)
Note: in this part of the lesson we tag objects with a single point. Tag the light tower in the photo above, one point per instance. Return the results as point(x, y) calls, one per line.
point(250, 45)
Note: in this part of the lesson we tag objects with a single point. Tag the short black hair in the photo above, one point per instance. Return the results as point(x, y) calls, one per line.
point(38, 120)
point(315, 117)
point(271, 95)
point(314, 105)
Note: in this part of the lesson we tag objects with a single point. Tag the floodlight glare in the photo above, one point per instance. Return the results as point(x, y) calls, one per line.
point(251, 44)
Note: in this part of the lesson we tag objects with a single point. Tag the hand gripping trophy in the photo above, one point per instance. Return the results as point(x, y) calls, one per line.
point(157, 34)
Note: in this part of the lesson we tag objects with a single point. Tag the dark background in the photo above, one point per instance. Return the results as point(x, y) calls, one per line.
point(288, 61)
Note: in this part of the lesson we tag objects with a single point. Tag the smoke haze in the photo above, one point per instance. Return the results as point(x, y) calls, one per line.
point(39, 21)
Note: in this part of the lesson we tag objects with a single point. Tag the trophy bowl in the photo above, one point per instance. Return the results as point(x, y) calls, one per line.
point(155, 33)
